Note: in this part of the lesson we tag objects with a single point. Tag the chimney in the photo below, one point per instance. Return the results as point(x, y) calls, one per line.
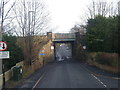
point(49, 35)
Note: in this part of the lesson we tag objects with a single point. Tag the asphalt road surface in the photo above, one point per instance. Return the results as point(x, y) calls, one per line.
point(71, 74)
point(63, 52)
point(68, 73)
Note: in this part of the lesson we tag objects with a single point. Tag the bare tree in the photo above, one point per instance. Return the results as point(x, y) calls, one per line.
point(32, 19)
point(101, 8)
point(79, 28)
point(31, 15)
point(118, 5)
point(4, 13)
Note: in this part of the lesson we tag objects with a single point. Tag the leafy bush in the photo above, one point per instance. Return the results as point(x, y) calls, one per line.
point(106, 59)
point(102, 34)
point(16, 54)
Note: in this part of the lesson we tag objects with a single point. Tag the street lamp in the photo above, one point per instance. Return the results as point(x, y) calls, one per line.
point(31, 18)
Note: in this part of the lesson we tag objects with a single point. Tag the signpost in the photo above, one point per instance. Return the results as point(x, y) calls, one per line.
point(43, 51)
point(52, 47)
point(43, 54)
point(3, 55)
point(84, 47)
point(3, 46)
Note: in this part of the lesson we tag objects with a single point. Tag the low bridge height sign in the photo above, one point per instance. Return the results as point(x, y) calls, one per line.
point(63, 37)
point(3, 46)
point(3, 54)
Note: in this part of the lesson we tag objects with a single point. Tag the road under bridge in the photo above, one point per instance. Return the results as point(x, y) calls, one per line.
point(63, 39)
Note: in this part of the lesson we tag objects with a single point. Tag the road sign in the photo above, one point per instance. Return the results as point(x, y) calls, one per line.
point(3, 46)
point(52, 47)
point(84, 47)
point(42, 54)
point(4, 54)
point(43, 51)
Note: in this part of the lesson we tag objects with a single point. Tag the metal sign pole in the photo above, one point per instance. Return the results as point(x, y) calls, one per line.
point(43, 60)
point(1, 31)
point(3, 46)
point(3, 69)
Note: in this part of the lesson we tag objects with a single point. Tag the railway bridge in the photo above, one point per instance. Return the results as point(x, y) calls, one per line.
point(62, 38)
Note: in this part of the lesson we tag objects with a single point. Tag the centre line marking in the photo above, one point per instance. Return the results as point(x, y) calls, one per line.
point(100, 81)
point(38, 81)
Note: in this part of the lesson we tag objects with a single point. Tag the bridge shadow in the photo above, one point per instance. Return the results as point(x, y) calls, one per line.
point(63, 51)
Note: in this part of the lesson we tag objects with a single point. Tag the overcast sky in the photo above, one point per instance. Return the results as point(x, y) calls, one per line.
point(66, 13)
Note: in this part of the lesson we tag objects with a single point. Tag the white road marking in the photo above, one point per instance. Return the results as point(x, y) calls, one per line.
point(105, 86)
point(99, 74)
point(38, 81)
point(100, 81)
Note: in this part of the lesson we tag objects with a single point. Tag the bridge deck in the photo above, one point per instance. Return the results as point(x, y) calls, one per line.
point(63, 37)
